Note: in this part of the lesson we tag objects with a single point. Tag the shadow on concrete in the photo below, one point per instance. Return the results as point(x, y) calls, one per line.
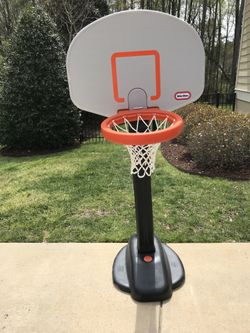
point(147, 320)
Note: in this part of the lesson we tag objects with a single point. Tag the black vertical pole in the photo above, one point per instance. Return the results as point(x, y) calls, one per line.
point(143, 205)
point(144, 214)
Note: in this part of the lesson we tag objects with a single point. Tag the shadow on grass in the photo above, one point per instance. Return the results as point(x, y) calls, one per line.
point(17, 153)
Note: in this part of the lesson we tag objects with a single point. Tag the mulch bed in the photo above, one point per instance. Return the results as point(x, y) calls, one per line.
point(179, 156)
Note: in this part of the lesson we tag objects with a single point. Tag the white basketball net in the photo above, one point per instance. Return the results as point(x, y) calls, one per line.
point(142, 157)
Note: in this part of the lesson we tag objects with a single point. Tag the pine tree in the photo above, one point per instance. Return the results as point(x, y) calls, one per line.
point(35, 109)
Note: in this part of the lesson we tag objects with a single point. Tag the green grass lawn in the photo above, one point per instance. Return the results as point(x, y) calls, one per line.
point(86, 195)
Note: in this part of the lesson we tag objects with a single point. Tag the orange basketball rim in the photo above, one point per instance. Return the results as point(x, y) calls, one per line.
point(125, 127)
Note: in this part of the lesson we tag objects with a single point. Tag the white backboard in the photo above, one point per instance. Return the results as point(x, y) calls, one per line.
point(156, 52)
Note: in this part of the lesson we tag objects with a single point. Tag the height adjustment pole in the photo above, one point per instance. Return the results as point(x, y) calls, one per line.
point(144, 214)
point(142, 187)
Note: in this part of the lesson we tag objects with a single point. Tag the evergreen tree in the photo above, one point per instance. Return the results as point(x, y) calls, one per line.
point(35, 110)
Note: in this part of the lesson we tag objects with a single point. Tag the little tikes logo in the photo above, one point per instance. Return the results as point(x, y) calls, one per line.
point(182, 95)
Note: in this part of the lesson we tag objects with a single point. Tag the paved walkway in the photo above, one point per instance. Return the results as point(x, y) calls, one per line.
point(67, 288)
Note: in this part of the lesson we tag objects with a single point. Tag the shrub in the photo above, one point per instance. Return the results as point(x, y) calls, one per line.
point(222, 142)
point(201, 116)
point(186, 110)
point(196, 114)
point(35, 110)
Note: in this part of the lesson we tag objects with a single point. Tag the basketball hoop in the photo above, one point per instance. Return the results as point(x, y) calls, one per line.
point(137, 74)
point(142, 131)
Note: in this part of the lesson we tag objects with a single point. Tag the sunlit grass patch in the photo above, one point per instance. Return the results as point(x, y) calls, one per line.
point(86, 195)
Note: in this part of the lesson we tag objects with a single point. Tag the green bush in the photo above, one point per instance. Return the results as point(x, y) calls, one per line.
point(195, 114)
point(188, 109)
point(202, 115)
point(221, 142)
point(35, 110)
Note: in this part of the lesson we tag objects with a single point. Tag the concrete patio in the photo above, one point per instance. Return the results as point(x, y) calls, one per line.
point(67, 288)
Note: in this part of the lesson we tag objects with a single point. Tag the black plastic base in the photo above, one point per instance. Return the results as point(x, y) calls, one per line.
point(148, 281)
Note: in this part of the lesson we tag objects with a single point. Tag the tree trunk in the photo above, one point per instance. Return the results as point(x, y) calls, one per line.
point(218, 48)
point(163, 5)
point(222, 87)
point(186, 7)
point(208, 51)
point(237, 36)
point(203, 21)
point(179, 9)
point(190, 11)
point(174, 7)
point(212, 53)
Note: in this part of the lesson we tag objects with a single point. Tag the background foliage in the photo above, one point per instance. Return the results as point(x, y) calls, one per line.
point(217, 21)
point(35, 108)
point(221, 141)
point(216, 138)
